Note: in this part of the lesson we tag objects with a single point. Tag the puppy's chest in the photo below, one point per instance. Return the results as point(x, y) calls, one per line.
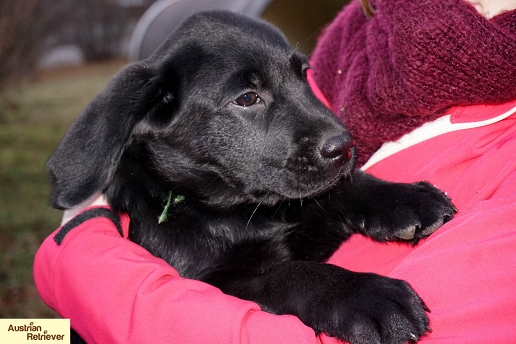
point(195, 242)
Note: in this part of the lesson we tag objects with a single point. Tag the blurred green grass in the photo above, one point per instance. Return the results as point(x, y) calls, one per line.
point(34, 116)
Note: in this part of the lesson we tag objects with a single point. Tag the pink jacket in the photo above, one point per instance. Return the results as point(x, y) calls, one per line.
point(114, 291)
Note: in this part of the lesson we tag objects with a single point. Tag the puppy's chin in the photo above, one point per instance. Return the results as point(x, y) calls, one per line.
point(312, 189)
point(269, 194)
point(219, 188)
point(303, 182)
point(234, 197)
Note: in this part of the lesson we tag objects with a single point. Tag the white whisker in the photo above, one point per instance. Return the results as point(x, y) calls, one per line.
point(255, 210)
point(277, 209)
point(320, 206)
point(196, 198)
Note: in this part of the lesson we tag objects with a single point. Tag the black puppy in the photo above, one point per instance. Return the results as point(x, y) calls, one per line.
point(234, 173)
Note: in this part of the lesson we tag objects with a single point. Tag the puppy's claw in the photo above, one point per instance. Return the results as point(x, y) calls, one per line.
point(429, 230)
point(407, 233)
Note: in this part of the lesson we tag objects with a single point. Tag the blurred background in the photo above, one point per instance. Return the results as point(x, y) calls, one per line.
point(55, 55)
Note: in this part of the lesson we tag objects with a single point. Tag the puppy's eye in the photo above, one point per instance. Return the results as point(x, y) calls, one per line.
point(247, 99)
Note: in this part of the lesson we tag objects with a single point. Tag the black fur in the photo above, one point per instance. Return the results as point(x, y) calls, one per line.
point(219, 136)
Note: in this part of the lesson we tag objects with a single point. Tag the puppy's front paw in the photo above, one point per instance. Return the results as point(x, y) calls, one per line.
point(366, 308)
point(406, 212)
point(360, 308)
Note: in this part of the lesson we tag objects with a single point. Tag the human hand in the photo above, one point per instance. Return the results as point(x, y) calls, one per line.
point(95, 200)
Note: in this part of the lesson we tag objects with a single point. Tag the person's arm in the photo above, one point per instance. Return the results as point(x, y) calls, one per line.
point(114, 291)
point(465, 271)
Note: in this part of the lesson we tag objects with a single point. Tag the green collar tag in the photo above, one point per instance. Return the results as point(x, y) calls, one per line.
point(171, 201)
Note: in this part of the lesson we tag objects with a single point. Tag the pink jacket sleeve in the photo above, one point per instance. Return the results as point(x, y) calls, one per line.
point(466, 270)
point(114, 291)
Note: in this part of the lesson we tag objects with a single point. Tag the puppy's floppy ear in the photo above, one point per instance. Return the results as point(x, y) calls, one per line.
point(87, 157)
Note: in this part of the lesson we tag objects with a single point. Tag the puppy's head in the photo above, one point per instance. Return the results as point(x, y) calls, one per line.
point(222, 108)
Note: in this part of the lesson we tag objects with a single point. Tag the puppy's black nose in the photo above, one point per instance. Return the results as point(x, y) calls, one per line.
point(338, 148)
